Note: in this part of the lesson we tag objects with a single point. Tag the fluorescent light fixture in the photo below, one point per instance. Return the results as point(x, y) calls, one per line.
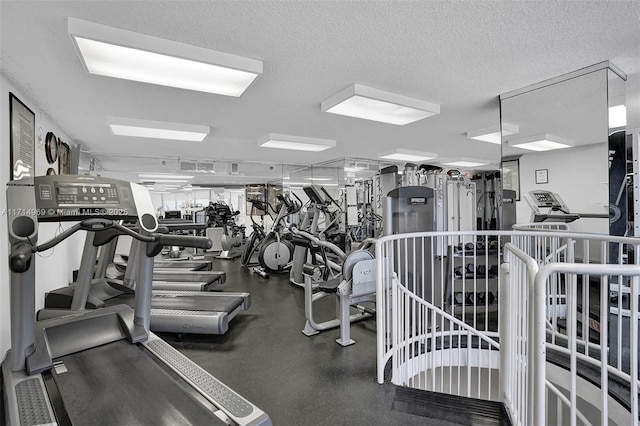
point(307, 184)
point(297, 143)
point(163, 176)
point(354, 169)
point(406, 155)
point(319, 179)
point(377, 105)
point(121, 126)
point(167, 180)
point(466, 162)
point(617, 116)
point(118, 53)
point(541, 143)
point(492, 134)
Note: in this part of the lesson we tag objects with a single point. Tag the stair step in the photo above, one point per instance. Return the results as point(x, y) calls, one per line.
point(450, 408)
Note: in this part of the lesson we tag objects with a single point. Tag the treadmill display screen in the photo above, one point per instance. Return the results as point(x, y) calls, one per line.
point(67, 190)
point(90, 193)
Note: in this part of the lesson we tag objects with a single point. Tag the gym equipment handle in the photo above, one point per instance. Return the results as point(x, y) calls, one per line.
point(326, 244)
point(20, 257)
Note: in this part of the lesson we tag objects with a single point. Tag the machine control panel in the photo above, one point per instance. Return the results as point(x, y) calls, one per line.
point(545, 199)
point(70, 197)
point(74, 194)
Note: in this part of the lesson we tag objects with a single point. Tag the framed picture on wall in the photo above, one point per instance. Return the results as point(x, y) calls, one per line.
point(542, 176)
point(511, 176)
point(64, 158)
point(21, 139)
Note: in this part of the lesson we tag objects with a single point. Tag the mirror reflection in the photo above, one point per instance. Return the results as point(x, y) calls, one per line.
point(555, 155)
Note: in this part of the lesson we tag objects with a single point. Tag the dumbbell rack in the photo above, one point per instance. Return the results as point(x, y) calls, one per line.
point(471, 284)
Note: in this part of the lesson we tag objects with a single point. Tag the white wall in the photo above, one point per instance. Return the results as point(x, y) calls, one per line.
point(579, 175)
point(54, 267)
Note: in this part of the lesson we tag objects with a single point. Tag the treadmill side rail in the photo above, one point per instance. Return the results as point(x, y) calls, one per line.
point(231, 403)
point(26, 400)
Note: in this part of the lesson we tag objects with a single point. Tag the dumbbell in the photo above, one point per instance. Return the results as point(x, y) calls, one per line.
point(475, 298)
point(470, 269)
point(481, 270)
point(494, 270)
point(458, 298)
point(458, 271)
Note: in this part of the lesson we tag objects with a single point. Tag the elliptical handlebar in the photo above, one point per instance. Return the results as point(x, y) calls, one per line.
point(333, 201)
point(321, 243)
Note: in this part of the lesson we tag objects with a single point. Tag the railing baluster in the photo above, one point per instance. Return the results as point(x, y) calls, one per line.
point(604, 339)
point(634, 347)
point(573, 336)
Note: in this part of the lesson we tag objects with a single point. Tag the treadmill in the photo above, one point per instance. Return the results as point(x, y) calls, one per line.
point(178, 226)
point(171, 311)
point(547, 206)
point(169, 278)
point(99, 367)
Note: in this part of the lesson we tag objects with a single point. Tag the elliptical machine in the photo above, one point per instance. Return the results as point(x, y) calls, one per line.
point(233, 237)
point(274, 252)
point(258, 234)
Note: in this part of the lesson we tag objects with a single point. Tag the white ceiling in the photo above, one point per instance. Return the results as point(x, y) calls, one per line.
point(461, 55)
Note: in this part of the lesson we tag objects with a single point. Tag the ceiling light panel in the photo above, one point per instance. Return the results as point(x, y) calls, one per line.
point(492, 134)
point(301, 184)
point(163, 176)
point(617, 116)
point(377, 105)
point(544, 142)
point(406, 155)
point(118, 53)
point(466, 162)
point(297, 143)
point(121, 126)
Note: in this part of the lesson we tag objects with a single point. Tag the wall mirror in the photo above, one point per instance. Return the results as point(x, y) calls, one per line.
point(556, 149)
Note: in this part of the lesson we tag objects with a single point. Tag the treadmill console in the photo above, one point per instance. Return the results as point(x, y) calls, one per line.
point(71, 197)
point(553, 207)
point(545, 199)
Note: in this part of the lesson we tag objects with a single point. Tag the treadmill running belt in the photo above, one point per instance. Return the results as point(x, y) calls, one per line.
point(226, 304)
point(195, 303)
point(119, 384)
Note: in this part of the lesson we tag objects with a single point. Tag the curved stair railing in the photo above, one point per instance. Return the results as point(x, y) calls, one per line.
point(423, 354)
point(561, 300)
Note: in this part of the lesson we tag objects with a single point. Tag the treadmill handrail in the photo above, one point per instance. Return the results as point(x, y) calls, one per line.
point(93, 224)
point(99, 224)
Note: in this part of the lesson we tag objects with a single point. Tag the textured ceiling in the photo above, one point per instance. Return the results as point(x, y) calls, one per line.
point(459, 54)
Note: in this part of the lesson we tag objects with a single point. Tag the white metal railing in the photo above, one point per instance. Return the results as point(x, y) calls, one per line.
point(515, 330)
point(440, 311)
point(441, 332)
